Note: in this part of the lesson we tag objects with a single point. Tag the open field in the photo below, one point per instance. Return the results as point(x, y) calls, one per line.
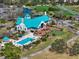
point(52, 55)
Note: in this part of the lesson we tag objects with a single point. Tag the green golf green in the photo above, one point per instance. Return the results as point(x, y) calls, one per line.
point(41, 8)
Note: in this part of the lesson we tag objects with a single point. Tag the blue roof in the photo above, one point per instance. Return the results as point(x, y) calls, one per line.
point(5, 38)
point(24, 41)
point(34, 22)
point(19, 20)
point(26, 11)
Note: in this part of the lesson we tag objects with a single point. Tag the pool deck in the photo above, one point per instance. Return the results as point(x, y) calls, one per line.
point(26, 36)
point(30, 35)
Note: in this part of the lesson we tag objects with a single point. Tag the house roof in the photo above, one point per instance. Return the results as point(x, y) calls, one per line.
point(19, 20)
point(34, 22)
point(26, 11)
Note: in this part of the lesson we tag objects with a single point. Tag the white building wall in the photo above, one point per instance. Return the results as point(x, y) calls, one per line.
point(21, 27)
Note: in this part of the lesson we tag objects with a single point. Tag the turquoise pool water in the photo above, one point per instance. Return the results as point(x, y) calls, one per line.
point(24, 41)
point(6, 38)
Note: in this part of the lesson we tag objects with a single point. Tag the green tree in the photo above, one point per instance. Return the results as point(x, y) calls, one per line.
point(11, 51)
point(58, 46)
point(74, 50)
point(45, 37)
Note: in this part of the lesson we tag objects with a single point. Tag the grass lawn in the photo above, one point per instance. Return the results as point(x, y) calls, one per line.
point(41, 8)
point(68, 14)
point(57, 33)
point(64, 13)
point(52, 55)
point(65, 34)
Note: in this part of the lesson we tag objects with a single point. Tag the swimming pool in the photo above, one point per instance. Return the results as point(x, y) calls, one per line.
point(25, 41)
point(5, 38)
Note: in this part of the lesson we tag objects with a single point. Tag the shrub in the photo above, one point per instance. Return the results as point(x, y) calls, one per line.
point(58, 46)
point(74, 50)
